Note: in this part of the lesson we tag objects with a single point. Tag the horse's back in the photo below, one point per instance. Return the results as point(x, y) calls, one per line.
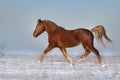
point(83, 32)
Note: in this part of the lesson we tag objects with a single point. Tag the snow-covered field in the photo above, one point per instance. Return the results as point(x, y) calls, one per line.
point(56, 68)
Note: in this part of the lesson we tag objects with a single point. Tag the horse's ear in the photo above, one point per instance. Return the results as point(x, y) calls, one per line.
point(39, 20)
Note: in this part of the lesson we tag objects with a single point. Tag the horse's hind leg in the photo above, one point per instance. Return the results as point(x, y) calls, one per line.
point(87, 51)
point(96, 52)
point(66, 56)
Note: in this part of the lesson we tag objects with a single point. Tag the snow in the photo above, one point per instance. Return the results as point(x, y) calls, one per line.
point(57, 68)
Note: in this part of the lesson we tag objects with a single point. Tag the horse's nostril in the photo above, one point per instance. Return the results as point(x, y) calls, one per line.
point(34, 35)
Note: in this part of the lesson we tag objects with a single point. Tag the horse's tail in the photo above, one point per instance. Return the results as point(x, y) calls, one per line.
point(100, 33)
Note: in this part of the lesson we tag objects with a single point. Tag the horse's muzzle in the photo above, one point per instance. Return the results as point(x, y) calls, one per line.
point(35, 36)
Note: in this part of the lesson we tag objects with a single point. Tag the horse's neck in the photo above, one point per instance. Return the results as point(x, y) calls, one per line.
point(51, 28)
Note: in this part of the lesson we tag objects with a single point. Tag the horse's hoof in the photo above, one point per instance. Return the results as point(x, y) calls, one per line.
point(71, 64)
point(80, 60)
point(38, 61)
point(103, 65)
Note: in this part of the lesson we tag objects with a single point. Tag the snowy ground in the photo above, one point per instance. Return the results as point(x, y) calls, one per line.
point(56, 68)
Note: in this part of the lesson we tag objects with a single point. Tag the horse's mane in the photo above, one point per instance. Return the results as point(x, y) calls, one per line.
point(51, 23)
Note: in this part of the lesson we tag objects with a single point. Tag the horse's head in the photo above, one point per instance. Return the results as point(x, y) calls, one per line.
point(39, 28)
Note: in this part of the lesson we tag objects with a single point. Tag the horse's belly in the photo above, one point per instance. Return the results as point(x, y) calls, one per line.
point(70, 43)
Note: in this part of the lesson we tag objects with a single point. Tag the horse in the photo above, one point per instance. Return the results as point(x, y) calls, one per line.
point(62, 38)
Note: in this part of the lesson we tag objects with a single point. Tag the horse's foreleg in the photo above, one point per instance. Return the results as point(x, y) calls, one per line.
point(66, 56)
point(87, 51)
point(45, 52)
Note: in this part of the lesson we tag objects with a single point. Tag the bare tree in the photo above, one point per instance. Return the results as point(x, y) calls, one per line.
point(2, 48)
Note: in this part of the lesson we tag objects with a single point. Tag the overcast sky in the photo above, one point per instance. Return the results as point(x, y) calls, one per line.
point(18, 19)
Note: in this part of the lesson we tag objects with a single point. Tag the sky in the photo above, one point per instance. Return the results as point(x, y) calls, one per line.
point(18, 20)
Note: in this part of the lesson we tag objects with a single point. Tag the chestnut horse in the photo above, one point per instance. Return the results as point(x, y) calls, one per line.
point(62, 39)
